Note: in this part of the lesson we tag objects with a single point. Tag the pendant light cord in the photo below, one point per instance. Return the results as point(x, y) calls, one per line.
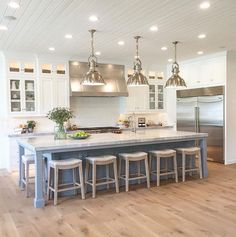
point(92, 42)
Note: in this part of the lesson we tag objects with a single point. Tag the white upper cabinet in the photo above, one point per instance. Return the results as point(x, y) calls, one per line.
point(204, 72)
point(54, 85)
point(35, 86)
point(21, 67)
point(146, 98)
point(53, 69)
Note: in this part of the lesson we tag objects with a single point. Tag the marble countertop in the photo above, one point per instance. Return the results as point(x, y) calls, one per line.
point(37, 134)
point(127, 138)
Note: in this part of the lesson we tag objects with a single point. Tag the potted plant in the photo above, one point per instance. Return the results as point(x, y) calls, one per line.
point(31, 124)
point(60, 115)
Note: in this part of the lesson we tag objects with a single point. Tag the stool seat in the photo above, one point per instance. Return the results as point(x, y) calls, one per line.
point(135, 156)
point(28, 158)
point(64, 163)
point(101, 159)
point(188, 149)
point(163, 153)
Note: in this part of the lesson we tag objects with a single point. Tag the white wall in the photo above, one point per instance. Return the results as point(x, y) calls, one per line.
point(230, 104)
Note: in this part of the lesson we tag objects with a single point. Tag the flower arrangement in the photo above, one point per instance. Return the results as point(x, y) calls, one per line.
point(60, 115)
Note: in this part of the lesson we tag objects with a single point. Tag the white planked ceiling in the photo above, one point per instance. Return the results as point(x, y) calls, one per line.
point(43, 23)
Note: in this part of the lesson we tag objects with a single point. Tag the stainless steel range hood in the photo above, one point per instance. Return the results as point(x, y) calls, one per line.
point(114, 75)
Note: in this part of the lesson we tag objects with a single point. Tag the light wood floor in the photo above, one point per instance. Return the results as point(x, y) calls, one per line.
point(195, 208)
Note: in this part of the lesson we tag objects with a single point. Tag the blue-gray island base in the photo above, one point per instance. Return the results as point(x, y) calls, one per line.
point(104, 143)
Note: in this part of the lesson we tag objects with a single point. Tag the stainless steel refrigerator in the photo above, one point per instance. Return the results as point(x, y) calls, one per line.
point(202, 110)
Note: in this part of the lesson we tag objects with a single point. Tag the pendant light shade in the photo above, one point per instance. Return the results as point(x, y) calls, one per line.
point(93, 77)
point(175, 80)
point(137, 79)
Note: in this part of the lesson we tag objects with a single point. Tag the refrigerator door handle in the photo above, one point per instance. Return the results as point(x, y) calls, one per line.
point(196, 113)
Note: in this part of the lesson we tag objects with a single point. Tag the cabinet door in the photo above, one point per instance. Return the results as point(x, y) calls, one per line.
point(46, 70)
point(61, 93)
point(46, 95)
point(29, 96)
point(60, 70)
point(160, 96)
point(15, 95)
point(141, 98)
point(152, 97)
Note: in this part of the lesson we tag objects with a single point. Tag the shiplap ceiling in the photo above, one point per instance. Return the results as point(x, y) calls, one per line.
point(43, 23)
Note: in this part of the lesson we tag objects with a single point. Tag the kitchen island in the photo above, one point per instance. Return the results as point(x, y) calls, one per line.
point(101, 144)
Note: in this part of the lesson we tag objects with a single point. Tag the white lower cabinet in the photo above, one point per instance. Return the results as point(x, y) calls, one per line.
point(53, 93)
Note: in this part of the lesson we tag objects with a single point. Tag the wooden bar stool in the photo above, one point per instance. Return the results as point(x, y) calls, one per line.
point(53, 184)
point(27, 160)
point(134, 157)
point(163, 154)
point(187, 153)
point(106, 160)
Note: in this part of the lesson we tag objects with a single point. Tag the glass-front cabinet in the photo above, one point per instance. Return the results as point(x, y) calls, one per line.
point(22, 95)
point(156, 90)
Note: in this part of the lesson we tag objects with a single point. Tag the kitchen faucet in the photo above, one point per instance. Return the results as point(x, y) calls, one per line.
point(132, 119)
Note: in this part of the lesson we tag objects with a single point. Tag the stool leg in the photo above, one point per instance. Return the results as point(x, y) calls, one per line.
point(27, 179)
point(22, 175)
point(55, 185)
point(183, 166)
point(200, 163)
point(147, 172)
point(116, 175)
point(94, 179)
point(175, 168)
point(86, 176)
point(158, 170)
point(49, 183)
point(139, 170)
point(107, 175)
point(150, 164)
point(126, 175)
point(74, 179)
point(119, 167)
point(81, 179)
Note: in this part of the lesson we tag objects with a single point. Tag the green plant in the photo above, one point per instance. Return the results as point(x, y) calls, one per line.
point(31, 124)
point(60, 115)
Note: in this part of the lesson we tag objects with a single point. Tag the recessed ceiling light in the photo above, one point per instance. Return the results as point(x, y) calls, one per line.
point(201, 36)
point(170, 60)
point(98, 53)
point(200, 52)
point(205, 5)
point(153, 28)
point(3, 27)
point(14, 4)
point(51, 48)
point(93, 18)
point(121, 42)
point(164, 48)
point(68, 36)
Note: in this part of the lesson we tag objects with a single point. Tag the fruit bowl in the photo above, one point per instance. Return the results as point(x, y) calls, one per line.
point(79, 135)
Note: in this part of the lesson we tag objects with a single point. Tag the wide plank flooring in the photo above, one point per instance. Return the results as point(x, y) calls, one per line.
point(196, 208)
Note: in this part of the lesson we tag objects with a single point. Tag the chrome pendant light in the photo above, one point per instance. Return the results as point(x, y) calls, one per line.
point(175, 80)
point(137, 79)
point(93, 77)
